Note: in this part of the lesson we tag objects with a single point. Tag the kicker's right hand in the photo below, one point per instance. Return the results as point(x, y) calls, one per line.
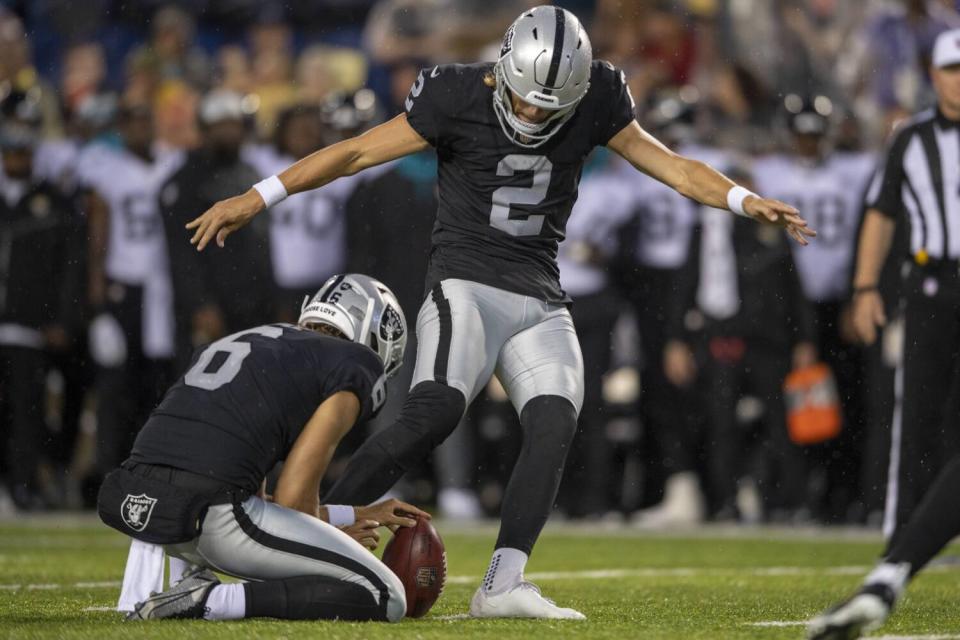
point(868, 314)
point(224, 218)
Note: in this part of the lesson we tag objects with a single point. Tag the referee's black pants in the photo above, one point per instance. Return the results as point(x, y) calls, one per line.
point(924, 434)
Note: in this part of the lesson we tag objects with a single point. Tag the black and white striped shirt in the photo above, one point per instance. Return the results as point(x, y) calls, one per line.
point(921, 177)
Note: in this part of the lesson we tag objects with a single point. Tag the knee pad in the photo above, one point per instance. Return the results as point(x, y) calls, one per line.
point(431, 412)
point(550, 418)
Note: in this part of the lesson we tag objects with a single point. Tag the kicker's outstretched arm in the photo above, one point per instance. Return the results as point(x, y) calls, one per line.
point(701, 182)
point(389, 141)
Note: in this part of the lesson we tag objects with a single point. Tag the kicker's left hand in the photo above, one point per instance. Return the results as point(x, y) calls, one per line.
point(781, 214)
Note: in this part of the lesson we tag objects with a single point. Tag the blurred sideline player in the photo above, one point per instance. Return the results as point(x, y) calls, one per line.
point(737, 322)
point(215, 295)
point(266, 394)
point(37, 306)
point(511, 138)
point(129, 289)
point(604, 203)
point(828, 186)
point(658, 242)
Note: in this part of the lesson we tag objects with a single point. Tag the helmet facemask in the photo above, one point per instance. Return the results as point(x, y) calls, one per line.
point(545, 61)
point(521, 132)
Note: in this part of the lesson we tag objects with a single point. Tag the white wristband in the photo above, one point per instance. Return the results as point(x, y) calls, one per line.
point(271, 190)
point(735, 198)
point(341, 515)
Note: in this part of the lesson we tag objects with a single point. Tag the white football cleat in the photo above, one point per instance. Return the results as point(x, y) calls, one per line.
point(522, 601)
point(861, 614)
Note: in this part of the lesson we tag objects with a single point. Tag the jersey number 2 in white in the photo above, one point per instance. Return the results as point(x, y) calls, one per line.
point(198, 376)
point(505, 197)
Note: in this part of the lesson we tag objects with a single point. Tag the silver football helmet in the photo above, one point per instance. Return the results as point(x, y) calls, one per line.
point(545, 61)
point(364, 310)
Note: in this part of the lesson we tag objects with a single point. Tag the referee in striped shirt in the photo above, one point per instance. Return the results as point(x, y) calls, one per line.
point(921, 182)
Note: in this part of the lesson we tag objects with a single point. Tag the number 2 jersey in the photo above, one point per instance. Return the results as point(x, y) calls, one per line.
point(503, 208)
point(245, 399)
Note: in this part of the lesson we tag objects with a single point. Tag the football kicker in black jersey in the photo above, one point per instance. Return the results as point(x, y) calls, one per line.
point(504, 208)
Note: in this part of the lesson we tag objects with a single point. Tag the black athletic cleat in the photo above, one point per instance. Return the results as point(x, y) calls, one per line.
point(864, 612)
point(186, 599)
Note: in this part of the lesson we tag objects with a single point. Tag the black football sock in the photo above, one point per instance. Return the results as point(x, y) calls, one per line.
point(431, 412)
point(932, 526)
point(549, 423)
point(311, 598)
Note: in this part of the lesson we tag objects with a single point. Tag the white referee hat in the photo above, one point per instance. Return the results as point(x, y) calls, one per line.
point(946, 50)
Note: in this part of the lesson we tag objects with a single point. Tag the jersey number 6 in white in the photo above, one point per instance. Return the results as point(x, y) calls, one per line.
point(505, 197)
point(199, 377)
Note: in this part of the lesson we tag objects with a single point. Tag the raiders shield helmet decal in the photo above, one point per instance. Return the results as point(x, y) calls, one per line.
point(391, 326)
point(136, 510)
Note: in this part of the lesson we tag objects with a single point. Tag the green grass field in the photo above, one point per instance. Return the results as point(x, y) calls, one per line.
point(58, 575)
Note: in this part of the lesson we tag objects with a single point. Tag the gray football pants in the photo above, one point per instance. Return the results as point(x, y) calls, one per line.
point(468, 331)
point(259, 540)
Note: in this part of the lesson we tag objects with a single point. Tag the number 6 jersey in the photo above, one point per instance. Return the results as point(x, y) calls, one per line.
point(504, 208)
point(243, 402)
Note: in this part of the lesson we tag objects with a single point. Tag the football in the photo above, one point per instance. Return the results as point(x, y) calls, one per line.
point(417, 556)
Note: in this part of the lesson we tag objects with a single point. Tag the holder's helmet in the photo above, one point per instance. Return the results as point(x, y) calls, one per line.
point(364, 310)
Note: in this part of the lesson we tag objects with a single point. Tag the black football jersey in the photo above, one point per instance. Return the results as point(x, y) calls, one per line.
point(245, 399)
point(503, 207)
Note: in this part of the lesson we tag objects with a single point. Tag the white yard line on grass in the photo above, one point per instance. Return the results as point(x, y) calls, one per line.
point(594, 574)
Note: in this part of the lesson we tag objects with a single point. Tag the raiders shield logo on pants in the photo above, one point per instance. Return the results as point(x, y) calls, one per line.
point(136, 510)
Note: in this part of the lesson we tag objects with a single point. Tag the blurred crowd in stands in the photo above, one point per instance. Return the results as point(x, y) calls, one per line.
point(121, 121)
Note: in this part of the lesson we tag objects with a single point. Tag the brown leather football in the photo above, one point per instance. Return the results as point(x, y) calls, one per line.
point(417, 556)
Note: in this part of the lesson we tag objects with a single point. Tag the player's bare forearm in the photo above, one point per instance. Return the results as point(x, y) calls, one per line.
point(876, 237)
point(704, 184)
point(867, 312)
point(389, 141)
point(692, 178)
point(699, 181)
point(299, 484)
